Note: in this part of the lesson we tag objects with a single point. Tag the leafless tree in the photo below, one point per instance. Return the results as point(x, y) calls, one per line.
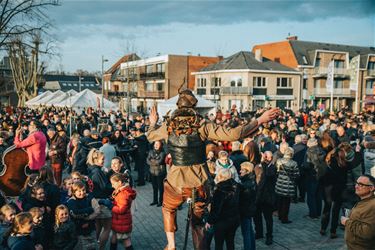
point(19, 17)
point(24, 27)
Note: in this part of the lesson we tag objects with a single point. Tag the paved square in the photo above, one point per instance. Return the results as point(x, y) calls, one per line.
point(303, 233)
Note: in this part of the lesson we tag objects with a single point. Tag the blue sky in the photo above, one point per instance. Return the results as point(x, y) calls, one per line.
point(88, 29)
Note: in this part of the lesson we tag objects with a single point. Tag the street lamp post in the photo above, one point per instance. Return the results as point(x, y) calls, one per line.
point(103, 61)
point(79, 83)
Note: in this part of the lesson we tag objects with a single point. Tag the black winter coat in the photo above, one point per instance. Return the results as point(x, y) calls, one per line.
point(65, 236)
point(79, 160)
point(225, 202)
point(237, 157)
point(247, 196)
point(299, 153)
point(79, 209)
point(20, 242)
point(102, 185)
point(156, 160)
point(266, 187)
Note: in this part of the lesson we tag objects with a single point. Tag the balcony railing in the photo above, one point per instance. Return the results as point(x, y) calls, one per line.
point(322, 71)
point(236, 90)
point(371, 73)
point(151, 94)
point(336, 91)
point(259, 91)
point(155, 75)
point(122, 93)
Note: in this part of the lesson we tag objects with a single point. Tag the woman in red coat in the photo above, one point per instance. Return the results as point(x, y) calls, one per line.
point(123, 197)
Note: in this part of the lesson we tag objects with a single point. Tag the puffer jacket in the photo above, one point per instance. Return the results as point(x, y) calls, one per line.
point(121, 213)
point(287, 174)
point(156, 160)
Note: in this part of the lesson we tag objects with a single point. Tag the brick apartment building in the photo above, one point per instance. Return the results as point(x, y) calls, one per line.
point(151, 80)
point(249, 81)
point(312, 59)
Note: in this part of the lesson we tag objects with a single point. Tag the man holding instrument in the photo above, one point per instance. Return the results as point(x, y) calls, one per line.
point(35, 145)
point(186, 132)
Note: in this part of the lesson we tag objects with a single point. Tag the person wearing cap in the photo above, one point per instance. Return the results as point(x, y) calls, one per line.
point(35, 145)
point(56, 153)
point(186, 132)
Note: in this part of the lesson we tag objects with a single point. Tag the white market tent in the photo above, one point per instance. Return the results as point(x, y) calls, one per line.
point(38, 97)
point(203, 106)
point(46, 99)
point(86, 99)
point(61, 98)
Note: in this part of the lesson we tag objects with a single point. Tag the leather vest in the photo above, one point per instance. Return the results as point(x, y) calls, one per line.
point(186, 149)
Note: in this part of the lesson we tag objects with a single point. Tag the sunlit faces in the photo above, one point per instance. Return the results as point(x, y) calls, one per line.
point(9, 215)
point(80, 193)
point(116, 165)
point(63, 215)
point(116, 184)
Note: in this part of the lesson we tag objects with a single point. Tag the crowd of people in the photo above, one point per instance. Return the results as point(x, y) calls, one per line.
point(80, 188)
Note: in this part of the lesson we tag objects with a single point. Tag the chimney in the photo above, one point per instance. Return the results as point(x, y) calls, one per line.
point(292, 38)
point(258, 55)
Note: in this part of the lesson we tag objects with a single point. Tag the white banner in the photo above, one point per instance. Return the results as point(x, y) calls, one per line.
point(330, 75)
point(354, 71)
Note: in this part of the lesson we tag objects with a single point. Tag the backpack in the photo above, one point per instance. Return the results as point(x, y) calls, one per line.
point(318, 159)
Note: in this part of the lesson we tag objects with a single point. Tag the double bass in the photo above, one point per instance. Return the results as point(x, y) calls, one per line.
point(13, 176)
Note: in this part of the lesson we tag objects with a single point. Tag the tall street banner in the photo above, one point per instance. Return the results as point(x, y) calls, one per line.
point(354, 71)
point(330, 72)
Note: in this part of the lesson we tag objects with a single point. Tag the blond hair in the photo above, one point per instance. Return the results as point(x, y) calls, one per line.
point(93, 156)
point(58, 209)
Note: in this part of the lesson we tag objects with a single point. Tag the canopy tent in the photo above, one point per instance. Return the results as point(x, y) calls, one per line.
point(46, 99)
point(61, 98)
point(203, 106)
point(38, 97)
point(86, 99)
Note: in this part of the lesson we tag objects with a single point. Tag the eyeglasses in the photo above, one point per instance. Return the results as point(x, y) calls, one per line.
point(363, 185)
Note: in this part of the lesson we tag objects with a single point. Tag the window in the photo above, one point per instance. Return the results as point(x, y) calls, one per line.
point(91, 84)
point(149, 68)
point(317, 62)
point(201, 82)
point(339, 64)
point(304, 84)
point(69, 84)
point(371, 65)
point(284, 82)
point(370, 84)
point(160, 67)
point(233, 83)
point(160, 86)
point(215, 82)
point(259, 81)
point(75, 84)
point(149, 86)
point(239, 82)
point(338, 84)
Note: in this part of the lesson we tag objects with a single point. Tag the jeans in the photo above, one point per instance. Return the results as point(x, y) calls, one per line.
point(247, 234)
point(314, 197)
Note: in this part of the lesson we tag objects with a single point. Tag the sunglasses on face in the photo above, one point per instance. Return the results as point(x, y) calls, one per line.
point(363, 185)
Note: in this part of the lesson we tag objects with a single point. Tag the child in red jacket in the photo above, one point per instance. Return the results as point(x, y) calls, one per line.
point(123, 197)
